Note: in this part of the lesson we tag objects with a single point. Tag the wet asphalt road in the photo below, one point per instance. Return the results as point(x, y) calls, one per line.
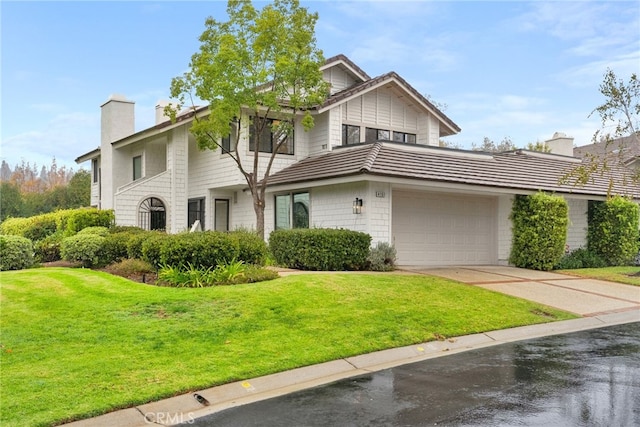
point(589, 378)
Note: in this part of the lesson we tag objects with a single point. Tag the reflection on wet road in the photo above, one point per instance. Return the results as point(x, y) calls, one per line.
point(589, 378)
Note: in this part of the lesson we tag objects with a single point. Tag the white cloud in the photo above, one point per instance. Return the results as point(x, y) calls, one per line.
point(65, 137)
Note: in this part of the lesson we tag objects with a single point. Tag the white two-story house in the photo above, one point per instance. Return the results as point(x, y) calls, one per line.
point(372, 163)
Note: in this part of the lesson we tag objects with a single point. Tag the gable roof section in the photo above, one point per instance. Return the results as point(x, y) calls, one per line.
point(391, 77)
point(515, 170)
point(346, 64)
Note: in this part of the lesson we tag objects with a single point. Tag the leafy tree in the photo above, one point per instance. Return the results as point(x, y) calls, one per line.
point(619, 116)
point(491, 147)
point(258, 72)
point(10, 201)
point(538, 146)
point(79, 190)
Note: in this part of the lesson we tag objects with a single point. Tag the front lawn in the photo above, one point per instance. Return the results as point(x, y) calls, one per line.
point(77, 343)
point(626, 275)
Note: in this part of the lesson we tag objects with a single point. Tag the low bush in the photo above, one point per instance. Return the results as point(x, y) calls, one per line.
point(89, 217)
point(320, 249)
point(83, 248)
point(115, 246)
point(252, 249)
point(150, 246)
point(382, 257)
point(96, 230)
point(231, 273)
point(48, 249)
point(34, 228)
point(16, 253)
point(203, 249)
point(580, 258)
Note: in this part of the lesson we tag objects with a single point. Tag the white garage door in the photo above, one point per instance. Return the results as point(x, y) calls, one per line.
point(435, 229)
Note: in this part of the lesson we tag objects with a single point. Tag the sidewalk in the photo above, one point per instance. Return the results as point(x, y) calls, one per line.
point(602, 303)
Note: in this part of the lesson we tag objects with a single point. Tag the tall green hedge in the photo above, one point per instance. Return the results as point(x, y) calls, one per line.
point(320, 249)
point(540, 223)
point(613, 230)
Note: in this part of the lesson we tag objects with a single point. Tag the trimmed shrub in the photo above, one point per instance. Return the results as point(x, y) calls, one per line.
point(540, 224)
point(382, 257)
point(83, 248)
point(95, 230)
point(320, 249)
point(48, 249)
point(613, 230)
point(16, 253)
point(251, 248)
point(33, 228)
point(150, 245)
point(115, 246)
point(202, 250)
point(580, 258)
point(90, 217)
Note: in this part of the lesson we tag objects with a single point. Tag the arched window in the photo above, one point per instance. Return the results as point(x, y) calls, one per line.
point(152, 214)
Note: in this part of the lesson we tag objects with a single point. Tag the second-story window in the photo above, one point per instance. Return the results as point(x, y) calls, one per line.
point(137, 167)
point(409, 138)
point(268, 139)
point(350, 134)
point(373, 135)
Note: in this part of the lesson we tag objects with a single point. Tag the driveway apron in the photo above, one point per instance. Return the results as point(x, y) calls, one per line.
point(586, 297)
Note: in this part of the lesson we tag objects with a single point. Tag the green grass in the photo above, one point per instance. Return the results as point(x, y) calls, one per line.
point(615, 274)
point(77, 343)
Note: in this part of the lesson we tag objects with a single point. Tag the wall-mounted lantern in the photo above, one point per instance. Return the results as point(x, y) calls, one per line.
point(357, 206)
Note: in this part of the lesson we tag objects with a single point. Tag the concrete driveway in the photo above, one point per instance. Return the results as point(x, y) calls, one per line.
point(586, 297)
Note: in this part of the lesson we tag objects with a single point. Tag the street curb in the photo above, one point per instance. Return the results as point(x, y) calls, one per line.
point(187, 407)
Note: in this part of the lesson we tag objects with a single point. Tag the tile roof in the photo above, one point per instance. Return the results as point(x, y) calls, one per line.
point(514, 170)
point(624, 149)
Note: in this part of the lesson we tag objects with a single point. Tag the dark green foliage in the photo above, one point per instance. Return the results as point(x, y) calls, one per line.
point(149, 244)
point(10, 200)
point(203, 249)
point(83, 218)
point(251, 248)
point(320, 249)
point(48, 249)
point(83, 248)
point(382, 257)
point(580, 258)
point(16, 253)
point(613, 230)
point(115, 246)
point(539, 224)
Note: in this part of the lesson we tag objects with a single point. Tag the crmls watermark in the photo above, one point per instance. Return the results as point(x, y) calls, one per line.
point(168, 418)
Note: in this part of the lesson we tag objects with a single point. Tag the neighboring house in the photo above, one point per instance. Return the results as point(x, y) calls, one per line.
point(625, 150)
point(372, 163)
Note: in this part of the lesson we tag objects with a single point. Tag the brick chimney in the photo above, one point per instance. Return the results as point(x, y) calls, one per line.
point(561, 144)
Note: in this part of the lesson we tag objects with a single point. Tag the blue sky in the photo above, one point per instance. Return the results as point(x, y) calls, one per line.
point(522, 70)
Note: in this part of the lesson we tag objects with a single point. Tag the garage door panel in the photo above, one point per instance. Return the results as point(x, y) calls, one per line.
point(435, 229)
